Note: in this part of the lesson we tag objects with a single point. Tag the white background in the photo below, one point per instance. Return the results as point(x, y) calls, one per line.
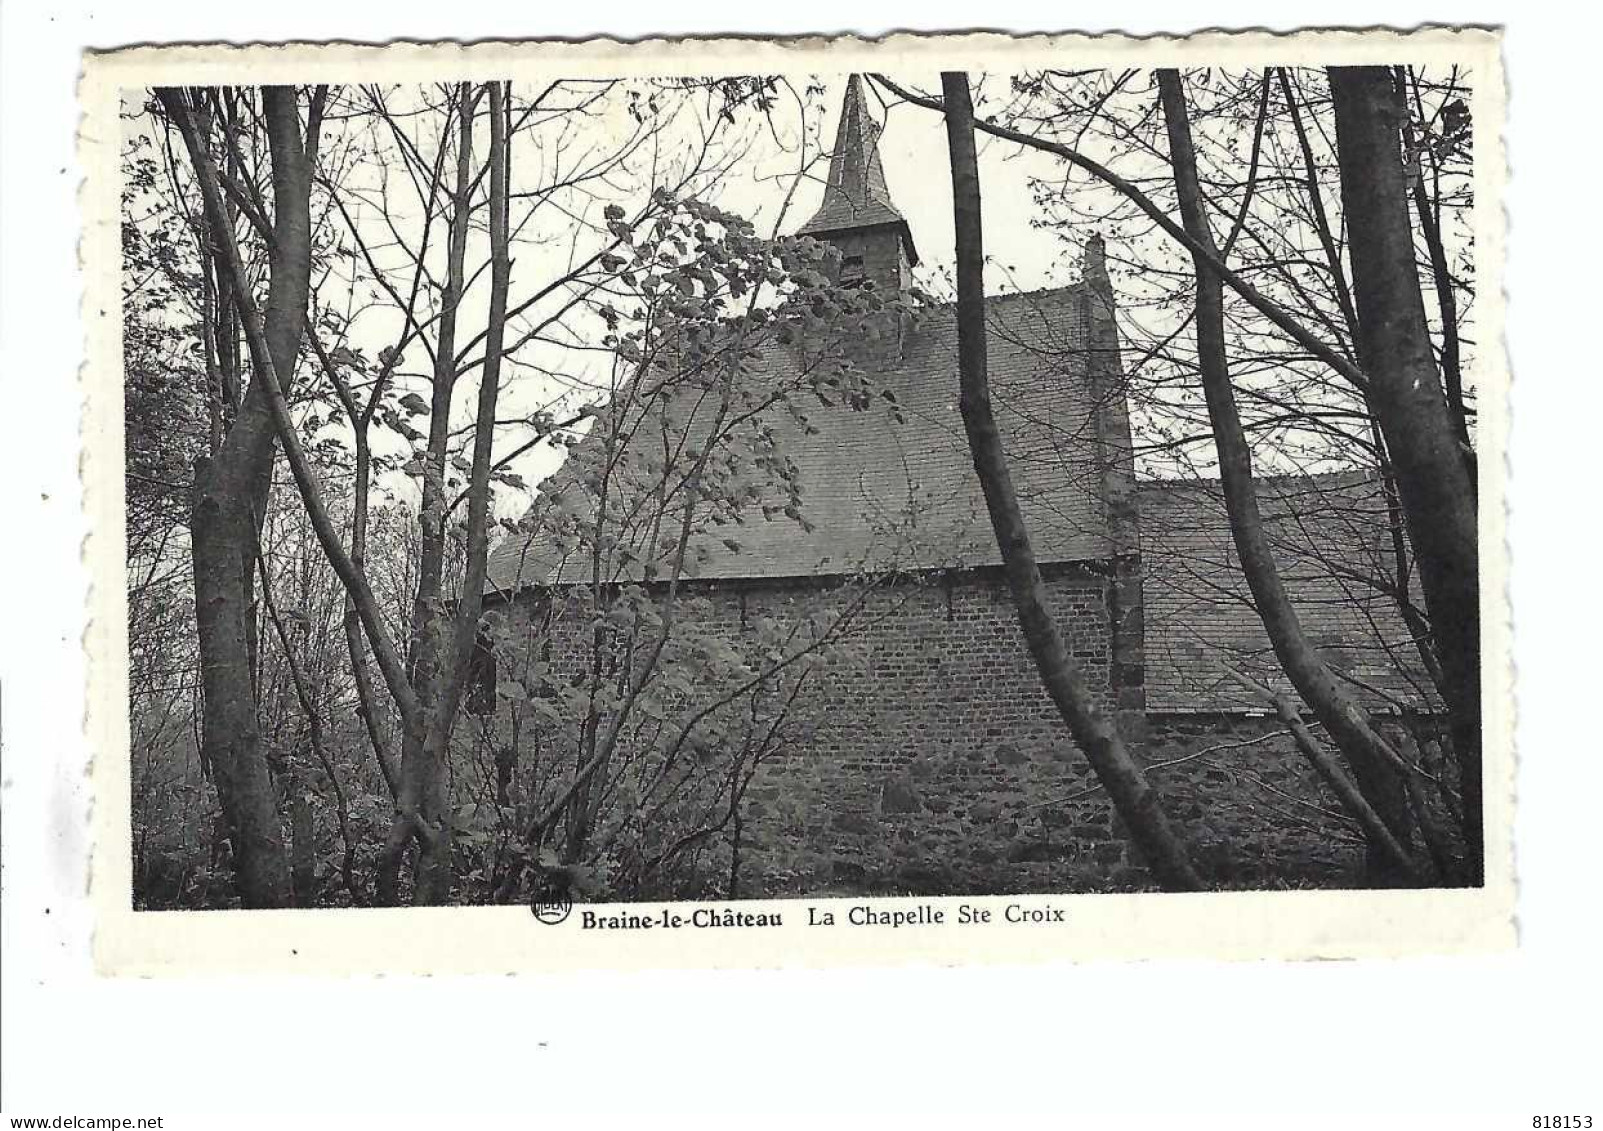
point(1515, 1034)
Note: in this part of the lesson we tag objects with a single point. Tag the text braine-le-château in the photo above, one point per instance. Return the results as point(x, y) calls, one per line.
point(670, 919)
point(859, 915)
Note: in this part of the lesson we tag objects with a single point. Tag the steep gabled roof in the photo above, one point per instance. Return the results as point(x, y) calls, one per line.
point(1332, 541)
point(856, 196)
point(880, 493)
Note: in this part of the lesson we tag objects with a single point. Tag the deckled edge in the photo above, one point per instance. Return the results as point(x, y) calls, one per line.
point(160, 943)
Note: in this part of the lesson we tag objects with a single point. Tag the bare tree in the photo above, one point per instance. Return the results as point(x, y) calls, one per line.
point(231, 486)
point(1127, 786)
point(445, 624)
point(625, 676)
point(1405, 387)
point(1337, 708)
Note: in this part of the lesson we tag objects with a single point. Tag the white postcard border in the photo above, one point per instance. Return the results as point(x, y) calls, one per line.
point(1224, 925)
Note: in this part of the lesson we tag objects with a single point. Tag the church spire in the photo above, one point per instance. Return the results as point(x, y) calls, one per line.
point(856, 199)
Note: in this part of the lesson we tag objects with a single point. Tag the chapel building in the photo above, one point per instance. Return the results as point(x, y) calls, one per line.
point(935, 762)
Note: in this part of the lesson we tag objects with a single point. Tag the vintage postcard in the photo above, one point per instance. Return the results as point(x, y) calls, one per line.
point(946, 499)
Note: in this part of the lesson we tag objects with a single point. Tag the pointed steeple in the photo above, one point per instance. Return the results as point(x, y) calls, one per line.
point(855, 197)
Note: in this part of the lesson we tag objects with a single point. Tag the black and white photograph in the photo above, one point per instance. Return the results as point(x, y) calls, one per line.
point(908, 563)
point(665, 488)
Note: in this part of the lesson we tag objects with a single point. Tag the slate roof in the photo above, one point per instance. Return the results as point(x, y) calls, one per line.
point(881, 493)
point(1331, 539)
point(855, 195)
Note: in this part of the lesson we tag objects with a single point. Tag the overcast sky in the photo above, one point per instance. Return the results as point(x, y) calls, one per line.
point(758, 173)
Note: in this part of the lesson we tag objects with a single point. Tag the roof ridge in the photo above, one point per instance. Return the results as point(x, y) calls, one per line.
point(1356, 474)
point(1009, 296)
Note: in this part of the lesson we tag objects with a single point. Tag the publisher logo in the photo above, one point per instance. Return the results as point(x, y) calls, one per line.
point(551, 903)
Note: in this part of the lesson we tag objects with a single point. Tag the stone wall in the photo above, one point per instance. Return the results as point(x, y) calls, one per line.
point(940, 762)
point(1249, 806)
point(932, 762)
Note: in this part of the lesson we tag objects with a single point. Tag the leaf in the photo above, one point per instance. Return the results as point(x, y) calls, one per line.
point(415, 404)
point(349, 358)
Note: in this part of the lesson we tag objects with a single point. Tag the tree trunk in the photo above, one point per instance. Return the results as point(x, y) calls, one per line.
point(424, 801)
point(1405, 391)
point(231, 741)
point(303, 844)
point(1133, 797)
point(1332, 704)
point(1446, 300)
point(229, 499)
point(446, 630)
point(1377, 827)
